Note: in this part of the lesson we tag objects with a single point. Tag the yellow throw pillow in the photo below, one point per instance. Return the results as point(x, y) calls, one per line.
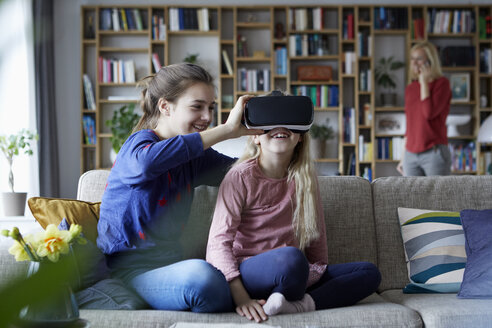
point(53, 210)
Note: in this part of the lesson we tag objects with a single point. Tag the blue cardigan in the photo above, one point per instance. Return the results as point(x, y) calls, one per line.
point(148, 198)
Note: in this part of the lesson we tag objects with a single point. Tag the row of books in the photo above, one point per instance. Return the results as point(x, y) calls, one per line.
point(484, 27)
point(349, 125)
point(321, 95)
point(390, 148)
point(364, 39)
point(158, 28)
point(350, 164)
point(486, 61)
point(89, 126)
point(307, 19)
point(451, 21)
point(308, 45)
point(122, 19)
point(90, 102)
point(463, 157)
point(365, 80)
point(348, 27)
point(365, 150)
point(254, 80)
point(116, 70)
point(390, 18)
point(281, 61)
point(189, 19)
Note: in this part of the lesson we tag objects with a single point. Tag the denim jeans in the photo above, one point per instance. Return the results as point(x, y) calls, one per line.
point(434, 161)
point(187, 285)
point(285, 270)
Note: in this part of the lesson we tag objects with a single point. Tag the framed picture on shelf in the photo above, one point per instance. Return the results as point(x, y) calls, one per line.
point(390, 124)
point(460, 87)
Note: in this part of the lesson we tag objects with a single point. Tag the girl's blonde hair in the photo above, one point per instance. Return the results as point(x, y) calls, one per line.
point(300, 170)
point(170, 82)
point(433, 57)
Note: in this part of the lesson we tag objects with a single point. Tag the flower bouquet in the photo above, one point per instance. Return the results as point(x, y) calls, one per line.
point(56, 305)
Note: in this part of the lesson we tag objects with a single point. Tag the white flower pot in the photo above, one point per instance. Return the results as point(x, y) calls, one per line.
point(14, 203)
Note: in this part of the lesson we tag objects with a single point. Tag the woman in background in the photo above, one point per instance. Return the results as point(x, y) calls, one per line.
point(427, 104)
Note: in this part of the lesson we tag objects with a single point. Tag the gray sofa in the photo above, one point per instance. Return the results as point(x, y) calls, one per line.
point(362, 225)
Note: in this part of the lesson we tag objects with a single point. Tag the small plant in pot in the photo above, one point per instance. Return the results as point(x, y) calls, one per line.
point(121, 124)
point(11, 146)
point(320, 133)
point(385, 78)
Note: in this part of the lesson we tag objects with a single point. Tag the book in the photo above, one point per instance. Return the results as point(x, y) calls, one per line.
point(156, 62)
point(227, 62)
point(89, 93)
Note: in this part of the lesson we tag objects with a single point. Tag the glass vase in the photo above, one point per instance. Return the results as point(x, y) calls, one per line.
point(59, 309)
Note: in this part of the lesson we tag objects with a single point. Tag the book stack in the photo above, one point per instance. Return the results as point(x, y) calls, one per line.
point(348, 27)
point(390, 148)
point(349, 125)
point(308, 45)
point(451, 21)
point(189, 19)
point(321, 95)
point(364, 39)
point(227, 62)
point(390, 18)
point(254, 80)
point(89, 93)
point(158, 28)
point(89, 130)
point(281, 61)
point(122, 19)
point(463, 157)
point(307, 19)
point(116, 71)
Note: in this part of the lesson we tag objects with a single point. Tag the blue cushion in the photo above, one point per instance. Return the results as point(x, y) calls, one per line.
point(477, 279)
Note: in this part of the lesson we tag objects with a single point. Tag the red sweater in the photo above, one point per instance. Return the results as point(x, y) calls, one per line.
point(426, 120)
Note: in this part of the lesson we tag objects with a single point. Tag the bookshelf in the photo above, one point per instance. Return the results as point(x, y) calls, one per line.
point(267, 47)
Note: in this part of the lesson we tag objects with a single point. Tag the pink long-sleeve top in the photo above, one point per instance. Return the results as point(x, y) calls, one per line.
point(253, 215)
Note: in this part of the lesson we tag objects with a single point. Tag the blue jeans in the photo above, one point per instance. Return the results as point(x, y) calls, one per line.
point(187, 285)
point(285, 270)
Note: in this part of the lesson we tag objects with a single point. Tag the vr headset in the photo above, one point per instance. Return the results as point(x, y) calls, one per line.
point(295, 113)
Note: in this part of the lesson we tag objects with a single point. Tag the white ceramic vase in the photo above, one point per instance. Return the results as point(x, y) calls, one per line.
point(14, 203)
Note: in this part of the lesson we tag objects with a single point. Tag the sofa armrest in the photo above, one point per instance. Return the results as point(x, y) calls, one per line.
point(91, 185)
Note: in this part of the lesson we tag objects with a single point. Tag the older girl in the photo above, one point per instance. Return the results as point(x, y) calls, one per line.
point(150, 190)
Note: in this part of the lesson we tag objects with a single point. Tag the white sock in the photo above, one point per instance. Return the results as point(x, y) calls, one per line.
point(277, 304)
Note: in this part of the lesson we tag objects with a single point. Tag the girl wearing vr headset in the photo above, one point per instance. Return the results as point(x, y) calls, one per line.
point(150, 190)
point(268, 234)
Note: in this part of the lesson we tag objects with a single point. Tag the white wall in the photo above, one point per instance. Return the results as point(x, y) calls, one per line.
point(67, 73)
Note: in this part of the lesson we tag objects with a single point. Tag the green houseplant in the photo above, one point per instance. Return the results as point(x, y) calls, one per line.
point(11, 146)
point(121, 124)
point(320, 133)
point(385, 78)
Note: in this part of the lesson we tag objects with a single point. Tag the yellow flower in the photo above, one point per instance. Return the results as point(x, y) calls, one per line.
point(18, 251)
point(53, 242)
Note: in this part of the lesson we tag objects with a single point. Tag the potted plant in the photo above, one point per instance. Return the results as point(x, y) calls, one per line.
point(320, 133)
point(385, 77)
point(11, 146)
point(121, 124)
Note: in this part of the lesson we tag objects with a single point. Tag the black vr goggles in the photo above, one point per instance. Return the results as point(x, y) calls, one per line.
point(295, 113)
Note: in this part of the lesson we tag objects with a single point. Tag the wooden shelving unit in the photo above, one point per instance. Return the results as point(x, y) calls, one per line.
point(265, 30)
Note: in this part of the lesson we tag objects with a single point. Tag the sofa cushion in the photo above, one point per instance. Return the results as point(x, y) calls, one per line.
point(444, 310)
point(373, 311)
point(53, 210)
point(444, 193)
point(477, 281)
point(350, 231)
point(434, 246)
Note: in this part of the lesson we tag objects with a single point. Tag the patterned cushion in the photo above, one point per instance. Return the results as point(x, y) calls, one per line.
point(434, 246)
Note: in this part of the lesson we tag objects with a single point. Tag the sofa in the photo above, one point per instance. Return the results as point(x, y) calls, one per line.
point(362, 225)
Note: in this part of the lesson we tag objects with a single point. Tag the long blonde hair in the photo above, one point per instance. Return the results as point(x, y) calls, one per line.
point(433, 57)
point(301, 170)
point(170, 82)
